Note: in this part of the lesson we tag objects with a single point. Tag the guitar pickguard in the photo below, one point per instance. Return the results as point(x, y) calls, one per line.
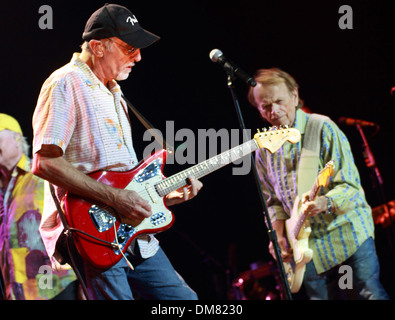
point(103, 216)
point(152, 170)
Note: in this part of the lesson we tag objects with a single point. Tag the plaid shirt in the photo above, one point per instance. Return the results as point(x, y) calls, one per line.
point(78, 113)
point(336, 236)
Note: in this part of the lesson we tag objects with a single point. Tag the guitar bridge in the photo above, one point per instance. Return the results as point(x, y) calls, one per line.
point(102, 217)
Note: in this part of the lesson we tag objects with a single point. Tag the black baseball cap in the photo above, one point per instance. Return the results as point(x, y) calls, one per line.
point(113, 20)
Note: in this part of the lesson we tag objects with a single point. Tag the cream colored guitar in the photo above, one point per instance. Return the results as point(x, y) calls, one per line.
point(298, 232)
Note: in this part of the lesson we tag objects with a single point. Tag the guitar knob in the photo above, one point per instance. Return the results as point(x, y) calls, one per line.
point(121, 239)
point(128, 227)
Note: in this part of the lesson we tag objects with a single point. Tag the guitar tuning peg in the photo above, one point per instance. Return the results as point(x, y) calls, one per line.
point(259, 131)
point(264, 129)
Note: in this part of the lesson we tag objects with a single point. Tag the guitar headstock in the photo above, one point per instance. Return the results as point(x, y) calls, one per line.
point(274, 138)
point(326, 173)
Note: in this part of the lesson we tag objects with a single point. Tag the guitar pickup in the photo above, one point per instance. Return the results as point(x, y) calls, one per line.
point(150, 171)
point(152, 193)
point(158, 218)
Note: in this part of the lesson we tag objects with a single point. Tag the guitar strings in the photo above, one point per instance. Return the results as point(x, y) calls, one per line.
point(201, 169)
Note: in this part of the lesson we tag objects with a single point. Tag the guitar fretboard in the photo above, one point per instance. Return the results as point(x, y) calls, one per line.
point(314, 191)
point(203, 168)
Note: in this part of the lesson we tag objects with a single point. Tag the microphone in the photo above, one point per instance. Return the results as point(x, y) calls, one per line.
point(218, 57)
point(354, 122)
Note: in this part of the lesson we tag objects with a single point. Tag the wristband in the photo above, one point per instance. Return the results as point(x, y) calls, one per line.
point(329, 204)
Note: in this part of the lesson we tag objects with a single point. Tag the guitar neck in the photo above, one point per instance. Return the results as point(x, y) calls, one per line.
point(314, 191)
point(204, 168)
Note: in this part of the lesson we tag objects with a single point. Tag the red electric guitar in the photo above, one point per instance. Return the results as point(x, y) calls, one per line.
point(101, 239)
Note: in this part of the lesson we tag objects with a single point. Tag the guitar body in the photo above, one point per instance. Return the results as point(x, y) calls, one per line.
point(299, 243)
point(98, 220)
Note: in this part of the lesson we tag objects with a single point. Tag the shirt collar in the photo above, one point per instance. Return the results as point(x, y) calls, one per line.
point(91, 79)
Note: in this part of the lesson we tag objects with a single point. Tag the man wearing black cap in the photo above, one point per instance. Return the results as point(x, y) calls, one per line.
point(81, 126)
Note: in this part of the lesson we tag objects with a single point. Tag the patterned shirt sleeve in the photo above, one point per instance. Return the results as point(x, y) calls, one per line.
point(345, 187)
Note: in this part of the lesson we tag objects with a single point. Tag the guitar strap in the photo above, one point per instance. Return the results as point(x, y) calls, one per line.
point(148, 126)
point(309, 157)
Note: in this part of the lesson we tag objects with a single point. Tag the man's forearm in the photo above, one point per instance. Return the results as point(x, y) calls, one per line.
point(61, 173)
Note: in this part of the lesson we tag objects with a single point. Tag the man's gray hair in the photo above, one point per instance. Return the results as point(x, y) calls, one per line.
point(106, 42)
point(23, 144)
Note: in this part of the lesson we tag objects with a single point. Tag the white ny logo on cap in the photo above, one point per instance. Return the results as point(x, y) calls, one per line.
point(132, 20)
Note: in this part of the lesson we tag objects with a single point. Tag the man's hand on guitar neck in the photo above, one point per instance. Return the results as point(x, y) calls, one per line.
point(312, 208)
point(185, 193)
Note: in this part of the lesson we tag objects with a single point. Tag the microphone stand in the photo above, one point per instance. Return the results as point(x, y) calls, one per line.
point(371, 163)
point(376, 179)
point(271, 233)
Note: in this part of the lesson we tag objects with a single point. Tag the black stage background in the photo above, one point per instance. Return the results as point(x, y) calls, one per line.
point(346, 73)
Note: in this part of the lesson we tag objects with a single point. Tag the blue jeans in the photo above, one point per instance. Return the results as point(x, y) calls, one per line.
point(365, 281)
point(152, 278)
